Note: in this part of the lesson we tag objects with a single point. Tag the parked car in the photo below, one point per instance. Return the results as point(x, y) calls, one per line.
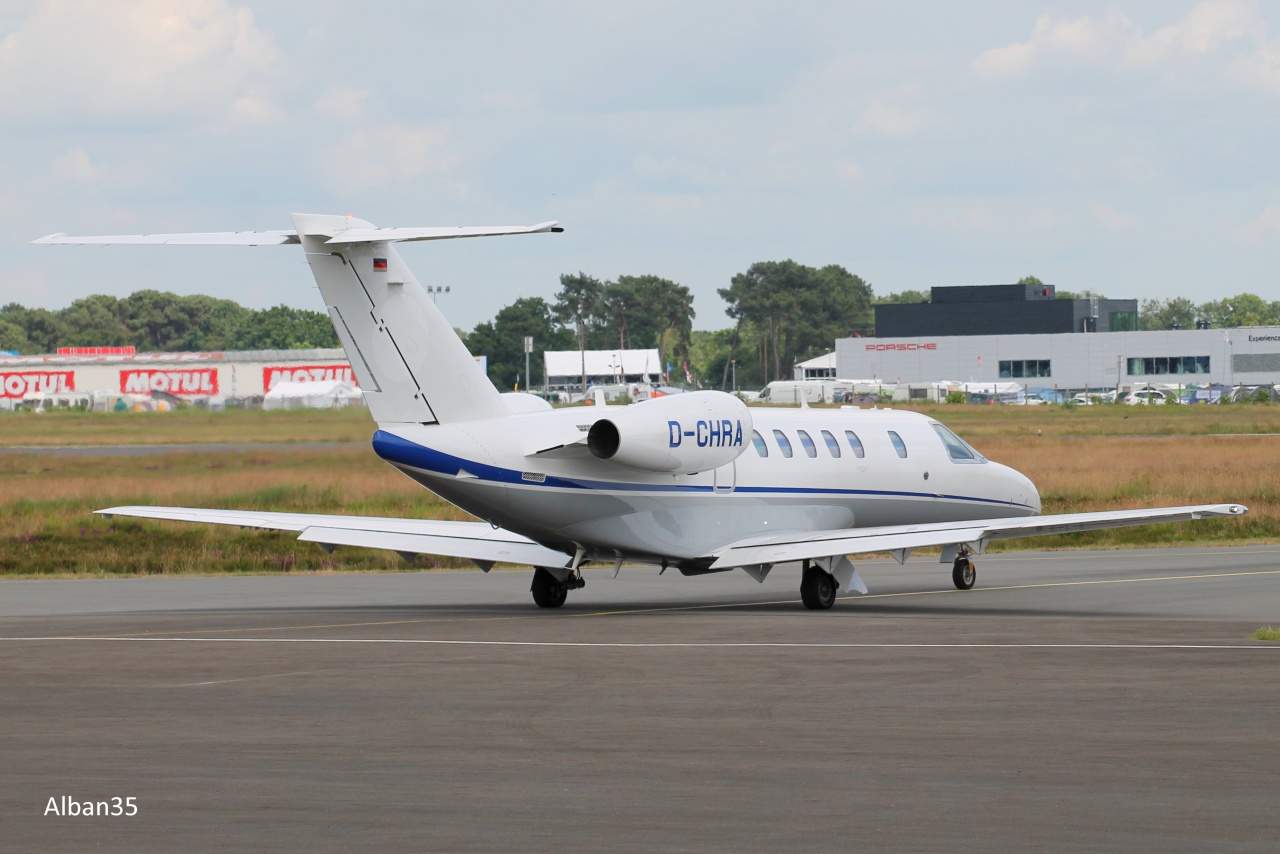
point(1148, 397)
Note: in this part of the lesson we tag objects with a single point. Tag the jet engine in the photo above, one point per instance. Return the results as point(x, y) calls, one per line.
point(691, 432)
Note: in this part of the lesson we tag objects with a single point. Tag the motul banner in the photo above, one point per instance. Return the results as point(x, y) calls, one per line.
point(187, 382)
point(273, 374)
point(19, 384)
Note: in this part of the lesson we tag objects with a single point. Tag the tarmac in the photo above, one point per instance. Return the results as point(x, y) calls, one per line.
point(1072, 701)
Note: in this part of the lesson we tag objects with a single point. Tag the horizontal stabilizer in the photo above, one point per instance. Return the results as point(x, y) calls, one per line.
point(337, 236)
point(207, 238)
point(404, 235)
point(476, 541)
point(785, 548)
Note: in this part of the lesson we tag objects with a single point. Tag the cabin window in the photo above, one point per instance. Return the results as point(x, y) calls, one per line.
point(898, 445)
point(784, 444)
point(958, 449)
point(761, 448)
point(832, 445)
point(855, 444)
point(807, 443)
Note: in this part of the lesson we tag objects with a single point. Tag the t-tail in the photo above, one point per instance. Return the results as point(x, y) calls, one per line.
point(411, 365)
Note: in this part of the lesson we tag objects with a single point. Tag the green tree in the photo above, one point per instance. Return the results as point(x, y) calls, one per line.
point(578, 307)
point(1029, 280)
point(908, 297)
point(41, 328)
point(12, 337)
point(1240, 310)
point(284, 328)
point(797, 310)
point(1167, 313)
point(93, 321)
point(660, 314)
point(502, 341)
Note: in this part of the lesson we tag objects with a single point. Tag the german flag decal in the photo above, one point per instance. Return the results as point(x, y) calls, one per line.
point(380, 264)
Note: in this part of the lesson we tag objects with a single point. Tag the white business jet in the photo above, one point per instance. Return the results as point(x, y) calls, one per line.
point(697, 481)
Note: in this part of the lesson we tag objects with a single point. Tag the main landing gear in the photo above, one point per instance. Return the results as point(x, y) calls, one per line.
point(817, 588)
point(963, 572)
point(550, 591)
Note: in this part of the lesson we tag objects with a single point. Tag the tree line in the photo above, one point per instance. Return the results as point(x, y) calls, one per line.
point(162, 322)
point(782, 312)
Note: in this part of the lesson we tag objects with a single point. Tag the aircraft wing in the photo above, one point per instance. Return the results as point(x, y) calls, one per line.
point(476, 541)
point(899, 540)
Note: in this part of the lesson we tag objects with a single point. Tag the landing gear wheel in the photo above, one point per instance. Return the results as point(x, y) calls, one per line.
point(817, 589)
point(963, 573)
point(548, 592)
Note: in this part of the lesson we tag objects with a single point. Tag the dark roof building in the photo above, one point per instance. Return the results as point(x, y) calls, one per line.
point(1003, 310)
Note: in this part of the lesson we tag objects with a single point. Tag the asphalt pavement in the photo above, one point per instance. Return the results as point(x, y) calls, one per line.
point(1072, 701)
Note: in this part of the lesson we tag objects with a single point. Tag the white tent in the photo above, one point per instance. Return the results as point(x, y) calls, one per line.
point(320, 394)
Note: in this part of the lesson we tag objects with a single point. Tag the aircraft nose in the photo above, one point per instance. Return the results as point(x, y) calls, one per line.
point(1024, 491)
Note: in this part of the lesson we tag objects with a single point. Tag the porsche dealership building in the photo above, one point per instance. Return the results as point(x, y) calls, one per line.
point(1025, 334)
point(1077, 361)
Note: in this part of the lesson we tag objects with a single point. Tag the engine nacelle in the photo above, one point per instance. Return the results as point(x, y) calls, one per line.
point(695, 431)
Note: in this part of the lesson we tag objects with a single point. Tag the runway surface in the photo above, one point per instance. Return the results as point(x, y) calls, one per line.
point(1073, 701)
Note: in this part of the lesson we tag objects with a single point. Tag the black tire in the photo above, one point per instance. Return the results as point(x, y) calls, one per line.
point(964, 573)
point(547, 591)
point(817, 589)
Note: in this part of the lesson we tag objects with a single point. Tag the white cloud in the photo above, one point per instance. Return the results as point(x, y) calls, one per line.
point(370, 157)
point(848, 171)
point(122, 59)
point(343, 103)
point(1262, 228)
point(1228, 33)
point(76, 165)
point(1112, 218)
point(890, 115)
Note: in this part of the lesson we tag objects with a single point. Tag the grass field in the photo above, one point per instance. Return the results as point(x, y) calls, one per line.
point(185, 426)
point(47, 528)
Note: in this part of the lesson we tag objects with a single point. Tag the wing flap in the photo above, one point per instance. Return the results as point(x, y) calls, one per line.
point(505, 551)
point(820, 544)
point(474, 540)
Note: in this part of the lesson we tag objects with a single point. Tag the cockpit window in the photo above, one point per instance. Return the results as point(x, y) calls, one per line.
point(761, 448)
point(898, 445)
point(958, 449)
point(855, 444)
point(832, 445)
point(807, 443)
point(784, 444)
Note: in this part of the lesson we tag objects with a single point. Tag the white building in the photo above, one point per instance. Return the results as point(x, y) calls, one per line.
point(1246, 356)
point(817, 368)
point(564, 368)
point(233, 373)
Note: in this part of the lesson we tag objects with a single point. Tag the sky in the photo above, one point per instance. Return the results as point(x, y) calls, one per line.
point(1128, 148)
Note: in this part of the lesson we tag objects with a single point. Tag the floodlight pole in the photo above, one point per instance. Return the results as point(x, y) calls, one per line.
point(528, 348)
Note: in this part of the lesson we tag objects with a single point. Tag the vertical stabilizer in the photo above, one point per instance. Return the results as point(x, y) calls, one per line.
point(410, 364)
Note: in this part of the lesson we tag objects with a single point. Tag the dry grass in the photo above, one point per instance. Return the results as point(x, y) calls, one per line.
point(47, 526)
point(1111, 473)
point(46, 502)
point(186, 426)
point(975, 422)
